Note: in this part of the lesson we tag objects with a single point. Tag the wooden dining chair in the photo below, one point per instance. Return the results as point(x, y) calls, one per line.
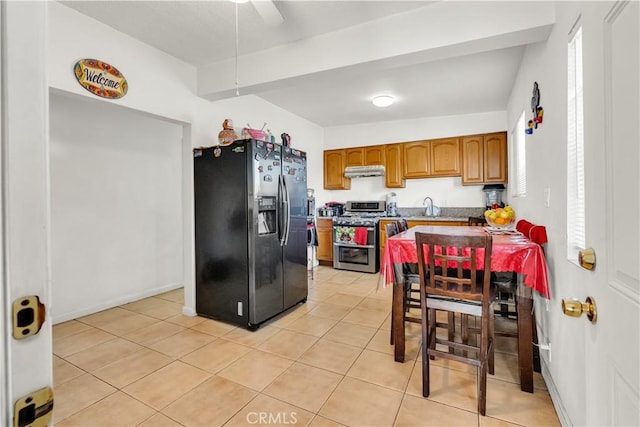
point(452, 280)
point(477, 221)
point(411, 293)
point(391, 229)
point(402, 225)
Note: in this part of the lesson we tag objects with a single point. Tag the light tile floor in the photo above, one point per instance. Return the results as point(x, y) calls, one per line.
point(325, 363)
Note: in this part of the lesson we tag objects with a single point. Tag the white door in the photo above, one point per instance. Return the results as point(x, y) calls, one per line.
point(24, 211)
point(612, 156)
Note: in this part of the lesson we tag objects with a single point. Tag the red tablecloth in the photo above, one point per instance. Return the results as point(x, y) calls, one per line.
point(510, 252)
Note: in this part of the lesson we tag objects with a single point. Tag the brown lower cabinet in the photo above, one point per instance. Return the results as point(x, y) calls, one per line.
point(324, 228)
point(410, 223)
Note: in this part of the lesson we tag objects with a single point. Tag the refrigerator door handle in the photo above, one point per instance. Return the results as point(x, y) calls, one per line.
point(288, 212)
point(281, 226)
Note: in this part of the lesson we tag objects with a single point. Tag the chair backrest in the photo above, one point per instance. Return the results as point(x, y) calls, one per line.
point(391, 229)
point(402, 225)
point(477, 221)
point(451, 267)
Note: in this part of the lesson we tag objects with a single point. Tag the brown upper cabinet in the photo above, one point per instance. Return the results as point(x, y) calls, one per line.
point(365, 156)
point(415, 159)
point(495, 158)
point(479, 159)
point(354, 156)
point(393, 174)
point(484, 159)
point(445, 157)
point(374, 155)
point(438, 157)
point(334, 164)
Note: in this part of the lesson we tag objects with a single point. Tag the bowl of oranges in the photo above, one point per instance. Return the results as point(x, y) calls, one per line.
point(498, 217)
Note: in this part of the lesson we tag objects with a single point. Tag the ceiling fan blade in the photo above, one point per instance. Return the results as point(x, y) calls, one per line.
point(268, 11)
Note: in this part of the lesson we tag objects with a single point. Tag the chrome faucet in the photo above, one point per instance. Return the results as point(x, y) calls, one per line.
point(429, 210)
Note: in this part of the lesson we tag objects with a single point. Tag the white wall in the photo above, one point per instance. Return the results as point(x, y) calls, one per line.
point(116, 206)
point(443, 191)
point(546, 63)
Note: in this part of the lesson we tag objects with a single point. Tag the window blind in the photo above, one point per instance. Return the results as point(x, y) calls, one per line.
point(519, 160)
point(575, 150)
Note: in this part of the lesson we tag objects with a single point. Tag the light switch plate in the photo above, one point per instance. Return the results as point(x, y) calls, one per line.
point(547, 197)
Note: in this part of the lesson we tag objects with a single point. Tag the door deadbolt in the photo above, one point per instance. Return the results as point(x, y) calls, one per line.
point(575, 308)
point(28, 316)
point(34, 410)
point(587, 258)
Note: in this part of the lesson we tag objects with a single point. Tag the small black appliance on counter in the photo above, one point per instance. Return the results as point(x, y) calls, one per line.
point(332, 209)
point(493, 195)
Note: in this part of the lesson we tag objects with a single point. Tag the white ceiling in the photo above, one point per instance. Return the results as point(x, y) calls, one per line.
point(203, 33)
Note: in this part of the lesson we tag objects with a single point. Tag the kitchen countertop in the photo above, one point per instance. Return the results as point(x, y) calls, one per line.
point(428, 218)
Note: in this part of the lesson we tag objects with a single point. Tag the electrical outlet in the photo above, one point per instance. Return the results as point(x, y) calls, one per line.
point(549, 352)
point(546, 347)
point(547, 197)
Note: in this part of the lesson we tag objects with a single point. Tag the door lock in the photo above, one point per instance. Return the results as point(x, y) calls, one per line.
point(34, 410)
point(28, 316)
point(575, 308)
point(587, 258)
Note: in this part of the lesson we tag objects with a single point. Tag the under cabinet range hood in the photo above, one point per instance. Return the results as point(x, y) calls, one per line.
point(363, 171)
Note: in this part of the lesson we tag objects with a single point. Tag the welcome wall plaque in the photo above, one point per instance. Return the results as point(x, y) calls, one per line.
point(100, 78)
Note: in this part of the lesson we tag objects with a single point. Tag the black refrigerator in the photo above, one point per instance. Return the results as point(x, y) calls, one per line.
point(250, 231)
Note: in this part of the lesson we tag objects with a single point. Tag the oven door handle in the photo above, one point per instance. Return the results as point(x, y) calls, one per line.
point(348, 245)
point(355, 226)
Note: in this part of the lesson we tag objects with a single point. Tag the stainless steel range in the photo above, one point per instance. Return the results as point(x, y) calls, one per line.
point(356, 237)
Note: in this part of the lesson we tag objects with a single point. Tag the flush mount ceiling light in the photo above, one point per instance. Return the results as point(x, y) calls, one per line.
point(382, 100)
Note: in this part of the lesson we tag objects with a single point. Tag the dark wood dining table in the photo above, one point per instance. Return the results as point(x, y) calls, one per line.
point(511, 252)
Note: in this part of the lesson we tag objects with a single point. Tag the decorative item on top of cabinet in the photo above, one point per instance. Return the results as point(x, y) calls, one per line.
point(484, 159)
point(393, 176)
point(334, 164)
point(324, 229)
point(227, 135)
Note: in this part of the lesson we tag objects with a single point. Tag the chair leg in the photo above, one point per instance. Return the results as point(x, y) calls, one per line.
point(391, 334)
point(536, 350)
point(484, 355)
point(464, 330)
point(427, 321)
point(451, 328)
point(492, 353)
point(407, 297)
point(504, 307)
